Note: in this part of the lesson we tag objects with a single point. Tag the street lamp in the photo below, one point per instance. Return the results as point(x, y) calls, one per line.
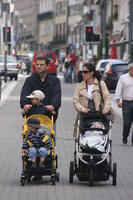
point(104, 28)
point(24, 26)
point(6, 9)
point(130, 30)
point(20, 31)
point(16, 14)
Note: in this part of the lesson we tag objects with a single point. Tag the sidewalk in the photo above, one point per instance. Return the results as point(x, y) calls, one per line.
point(6, 89)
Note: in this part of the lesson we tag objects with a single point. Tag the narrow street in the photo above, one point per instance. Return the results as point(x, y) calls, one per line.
point(11, 164)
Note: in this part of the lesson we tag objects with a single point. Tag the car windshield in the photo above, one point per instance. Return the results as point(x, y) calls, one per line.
point(24, 57)
point(11, 59)
point(50, 57)
point(103, 65)
point(119, 67)
point(1, 58)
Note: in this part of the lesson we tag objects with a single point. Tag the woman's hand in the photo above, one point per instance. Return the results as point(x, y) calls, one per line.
point(86, 110)
point(105, 111)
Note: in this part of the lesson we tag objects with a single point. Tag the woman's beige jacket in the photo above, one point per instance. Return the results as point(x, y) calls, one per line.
point(80, 97)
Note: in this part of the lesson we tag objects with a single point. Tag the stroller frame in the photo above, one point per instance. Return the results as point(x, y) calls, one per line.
point(92, 162)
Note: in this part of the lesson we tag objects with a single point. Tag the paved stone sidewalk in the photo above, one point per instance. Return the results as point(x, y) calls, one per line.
point(10, 158)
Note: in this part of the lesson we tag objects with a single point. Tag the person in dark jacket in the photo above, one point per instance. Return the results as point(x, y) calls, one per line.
point(37, 142)
point(48, 84)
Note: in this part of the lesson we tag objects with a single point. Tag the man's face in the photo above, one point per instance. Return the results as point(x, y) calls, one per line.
point(131, 72)
point(41, 66)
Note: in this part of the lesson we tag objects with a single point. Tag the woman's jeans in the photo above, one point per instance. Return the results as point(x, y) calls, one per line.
point(41, 152)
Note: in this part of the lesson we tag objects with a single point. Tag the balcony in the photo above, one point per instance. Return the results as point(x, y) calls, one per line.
point(59, 39)
point(46, 15)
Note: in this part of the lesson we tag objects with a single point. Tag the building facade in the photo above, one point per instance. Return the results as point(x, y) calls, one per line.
point(46, 22)
point(75, 28)
point(60, 24)
point(26, 25)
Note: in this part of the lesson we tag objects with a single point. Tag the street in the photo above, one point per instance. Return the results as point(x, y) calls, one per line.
point(11, 163)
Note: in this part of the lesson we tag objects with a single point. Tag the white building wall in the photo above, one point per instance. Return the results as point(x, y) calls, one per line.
point(46, 6)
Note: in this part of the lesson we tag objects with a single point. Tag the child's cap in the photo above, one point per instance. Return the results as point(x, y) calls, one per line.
point(33, 123)
point(38, 94)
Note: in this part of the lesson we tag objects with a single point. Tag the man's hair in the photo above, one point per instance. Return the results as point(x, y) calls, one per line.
point(42, 57)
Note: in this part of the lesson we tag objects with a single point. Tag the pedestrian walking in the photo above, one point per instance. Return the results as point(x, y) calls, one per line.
point(124, 98)
point(48, 84)
point(72, 66)
point(91, 94)
point(66, 67)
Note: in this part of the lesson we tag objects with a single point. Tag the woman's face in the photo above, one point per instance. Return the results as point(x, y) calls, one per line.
point(86, 73)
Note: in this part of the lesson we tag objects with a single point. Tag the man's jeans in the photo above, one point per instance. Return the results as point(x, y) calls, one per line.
point(127, 111)
point(33, 152)
point(72, 71)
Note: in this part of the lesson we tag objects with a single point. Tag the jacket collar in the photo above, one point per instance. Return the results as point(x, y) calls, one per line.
point(36, 77)
point(83, 83)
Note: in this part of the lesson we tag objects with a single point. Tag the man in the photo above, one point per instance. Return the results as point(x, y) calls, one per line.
point(48, 84)
point(73, 60)
point(124, 91)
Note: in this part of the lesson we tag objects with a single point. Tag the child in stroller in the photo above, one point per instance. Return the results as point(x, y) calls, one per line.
point(93, 138)
point(93, 149)
point(36, 106)
point(37, 142)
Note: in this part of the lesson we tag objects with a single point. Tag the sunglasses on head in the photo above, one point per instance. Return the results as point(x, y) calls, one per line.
point(85, 71)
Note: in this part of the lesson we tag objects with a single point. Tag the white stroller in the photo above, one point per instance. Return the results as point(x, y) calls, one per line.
point(93, 149)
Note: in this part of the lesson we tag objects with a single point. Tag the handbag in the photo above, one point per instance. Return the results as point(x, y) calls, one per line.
point(102, 99)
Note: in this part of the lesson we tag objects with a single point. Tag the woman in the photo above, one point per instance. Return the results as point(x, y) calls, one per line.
point(91, 94)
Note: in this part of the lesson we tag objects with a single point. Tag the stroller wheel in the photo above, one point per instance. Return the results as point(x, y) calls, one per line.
point(22, 180)
point(58, 177)
point(114, 174)
point(91, 178)
point(53, 179)
point(71, 172)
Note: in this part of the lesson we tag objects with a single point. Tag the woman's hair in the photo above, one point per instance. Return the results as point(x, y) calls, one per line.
point(91, 67)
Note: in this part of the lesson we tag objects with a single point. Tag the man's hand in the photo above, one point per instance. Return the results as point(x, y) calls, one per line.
point(51, 109)
point(119, 103)
point(27, 107)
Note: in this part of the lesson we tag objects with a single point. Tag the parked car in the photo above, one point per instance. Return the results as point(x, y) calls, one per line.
point(113, 70)
point(26, 60)
point(12, 67)
point(51, 56)
point(100, 66)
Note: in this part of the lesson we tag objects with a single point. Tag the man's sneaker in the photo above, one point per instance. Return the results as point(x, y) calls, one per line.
point(33, 165)
point(124, 140)
point(42, 165)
